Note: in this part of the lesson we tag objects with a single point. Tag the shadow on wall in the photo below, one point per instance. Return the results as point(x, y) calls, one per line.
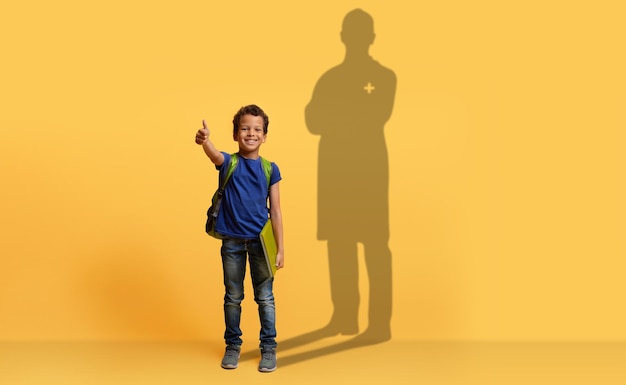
point(350, 105)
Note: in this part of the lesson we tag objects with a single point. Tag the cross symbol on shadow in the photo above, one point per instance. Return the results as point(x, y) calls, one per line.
point(369, 88)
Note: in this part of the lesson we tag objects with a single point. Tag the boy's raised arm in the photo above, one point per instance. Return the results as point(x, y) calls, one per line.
point(202, 138)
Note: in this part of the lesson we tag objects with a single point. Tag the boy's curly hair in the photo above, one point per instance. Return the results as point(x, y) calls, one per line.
point(254, 110)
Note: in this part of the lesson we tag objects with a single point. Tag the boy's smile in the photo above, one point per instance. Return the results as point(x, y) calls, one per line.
point(250, 134)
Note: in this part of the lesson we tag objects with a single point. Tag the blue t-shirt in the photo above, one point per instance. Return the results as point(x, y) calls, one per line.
point(244, 208)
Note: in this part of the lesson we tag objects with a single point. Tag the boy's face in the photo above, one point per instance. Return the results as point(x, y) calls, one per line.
point(250, 134)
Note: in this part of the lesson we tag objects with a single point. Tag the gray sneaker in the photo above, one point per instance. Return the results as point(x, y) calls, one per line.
point(268, 360)
point(231, 357)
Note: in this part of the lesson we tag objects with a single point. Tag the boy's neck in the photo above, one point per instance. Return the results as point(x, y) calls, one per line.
point(253, 155)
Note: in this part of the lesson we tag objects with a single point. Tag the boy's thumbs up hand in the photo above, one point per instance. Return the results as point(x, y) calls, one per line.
point(203, 134)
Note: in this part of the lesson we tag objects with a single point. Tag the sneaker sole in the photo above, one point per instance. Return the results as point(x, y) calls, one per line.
point(231, 366)
point(267, 370)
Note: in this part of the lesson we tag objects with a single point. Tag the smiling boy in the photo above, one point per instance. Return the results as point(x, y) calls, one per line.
point(243, 214)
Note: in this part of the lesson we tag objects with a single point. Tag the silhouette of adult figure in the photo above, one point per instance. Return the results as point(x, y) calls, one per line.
point(348, 110)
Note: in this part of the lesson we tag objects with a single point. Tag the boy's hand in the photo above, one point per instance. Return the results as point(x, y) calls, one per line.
point(280, 260)
point(203, 134)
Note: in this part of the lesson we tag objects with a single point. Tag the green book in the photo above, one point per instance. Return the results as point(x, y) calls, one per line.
point(269, 246)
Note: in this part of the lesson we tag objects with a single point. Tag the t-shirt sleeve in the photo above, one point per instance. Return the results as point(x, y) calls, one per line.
point(275, 177)
point(226, 161)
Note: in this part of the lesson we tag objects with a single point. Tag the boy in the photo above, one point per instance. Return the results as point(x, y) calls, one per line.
point(243, 213)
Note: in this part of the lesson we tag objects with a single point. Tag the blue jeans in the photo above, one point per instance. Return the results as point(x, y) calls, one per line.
point(234, 254)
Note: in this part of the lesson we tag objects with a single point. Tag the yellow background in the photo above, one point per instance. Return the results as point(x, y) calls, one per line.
point(506, 164)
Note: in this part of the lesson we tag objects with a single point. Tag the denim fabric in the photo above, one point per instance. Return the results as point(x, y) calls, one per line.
point(235, 252)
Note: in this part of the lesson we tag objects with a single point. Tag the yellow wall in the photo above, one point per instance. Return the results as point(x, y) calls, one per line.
point(506, 164)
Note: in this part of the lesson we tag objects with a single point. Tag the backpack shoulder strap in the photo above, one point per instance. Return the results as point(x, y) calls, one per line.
point(234, 160)
point(267, 169)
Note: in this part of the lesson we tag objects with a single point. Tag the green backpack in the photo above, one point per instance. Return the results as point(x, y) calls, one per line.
point(216, 201)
